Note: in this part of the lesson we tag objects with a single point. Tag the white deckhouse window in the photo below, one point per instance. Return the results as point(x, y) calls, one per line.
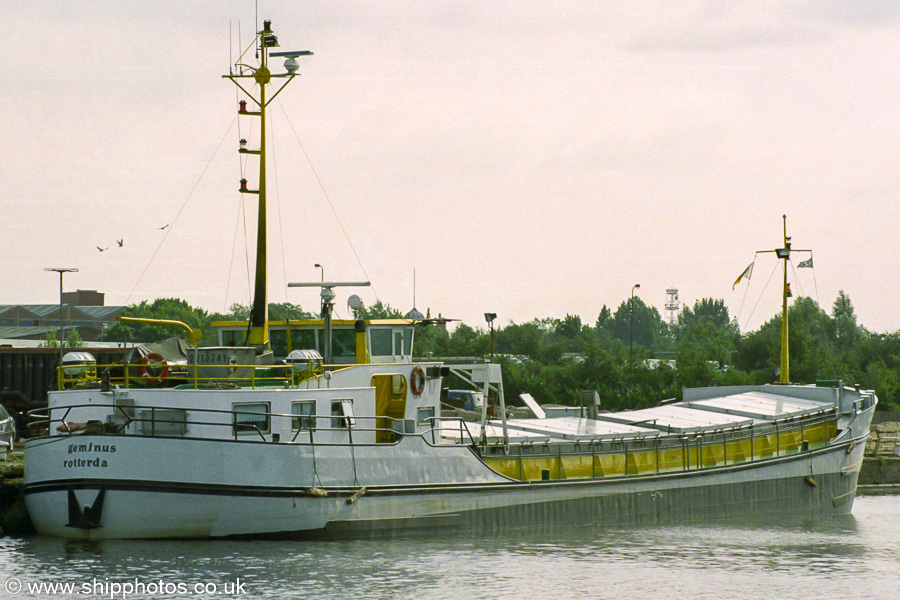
point(342, 414)
point(304, 409)
point(251, 417)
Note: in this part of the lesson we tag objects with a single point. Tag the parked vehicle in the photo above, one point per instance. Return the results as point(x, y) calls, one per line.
point(465, 399)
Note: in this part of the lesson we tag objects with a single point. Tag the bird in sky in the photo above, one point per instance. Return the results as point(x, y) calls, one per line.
point(163, 227)
point(120, 242)
point(100, 249)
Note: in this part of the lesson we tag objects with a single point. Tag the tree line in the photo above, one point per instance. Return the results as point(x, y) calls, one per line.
point(630, 355)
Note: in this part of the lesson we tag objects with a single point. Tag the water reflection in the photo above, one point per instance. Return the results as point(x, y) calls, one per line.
point(856, 554)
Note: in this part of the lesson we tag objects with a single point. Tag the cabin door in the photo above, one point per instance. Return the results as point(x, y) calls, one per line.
point(390, 406)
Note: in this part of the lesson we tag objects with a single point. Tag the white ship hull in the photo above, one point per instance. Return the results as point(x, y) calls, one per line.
point(195, 488)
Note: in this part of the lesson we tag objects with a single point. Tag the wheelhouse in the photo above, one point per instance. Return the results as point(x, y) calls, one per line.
point(384, 340)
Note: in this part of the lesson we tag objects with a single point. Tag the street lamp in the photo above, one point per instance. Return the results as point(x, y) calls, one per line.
point(631, 332)
point(61, 270)
point(489, 317)
point(318, 266)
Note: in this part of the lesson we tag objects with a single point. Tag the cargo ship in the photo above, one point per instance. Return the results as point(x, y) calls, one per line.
point(344, 436)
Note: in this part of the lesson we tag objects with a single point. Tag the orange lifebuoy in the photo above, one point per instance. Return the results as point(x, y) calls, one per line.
point(417, 380)
point(154, 367)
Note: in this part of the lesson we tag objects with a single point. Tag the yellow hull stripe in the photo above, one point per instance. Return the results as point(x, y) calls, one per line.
point(549, 465)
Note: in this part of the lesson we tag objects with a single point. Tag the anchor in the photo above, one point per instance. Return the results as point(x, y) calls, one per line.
point(87, 517)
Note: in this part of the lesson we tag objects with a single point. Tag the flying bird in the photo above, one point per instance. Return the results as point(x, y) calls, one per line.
point(100, 249)
point(120, 242)
point(163, 227)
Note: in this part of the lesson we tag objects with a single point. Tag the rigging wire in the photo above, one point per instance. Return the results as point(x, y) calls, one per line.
point(180, 210)
point(746, 291)
point(234, 239)
point(241, 216)
point(278, 207)
point(328, 199)
point(831, 356)
point(768, 281)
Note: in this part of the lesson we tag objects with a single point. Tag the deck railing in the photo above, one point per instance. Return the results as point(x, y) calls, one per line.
point(545, 459)
point(173, 421)
point(181, 375)
point(640, 455)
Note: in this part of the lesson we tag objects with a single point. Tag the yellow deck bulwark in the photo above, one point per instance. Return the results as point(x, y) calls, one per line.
point(585, 461)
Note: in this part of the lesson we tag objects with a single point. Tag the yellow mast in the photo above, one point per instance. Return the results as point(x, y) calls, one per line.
point(784, 254)
point(258, 334)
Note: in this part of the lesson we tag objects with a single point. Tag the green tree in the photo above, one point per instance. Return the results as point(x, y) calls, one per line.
point(379, 310)
point(521, 340)
point(164, 309)
point(879, 365)
point(72, 340)
point(811, 349)
point(466, 341)
point(706, 310)
point(706, 340)
point(847, 332)
point(603, 325)
point(236, 312)
point(283, 311)
point(641, 321)
point(431, 340)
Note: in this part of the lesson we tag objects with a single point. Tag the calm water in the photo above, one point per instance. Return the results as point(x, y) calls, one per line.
point(852, 557)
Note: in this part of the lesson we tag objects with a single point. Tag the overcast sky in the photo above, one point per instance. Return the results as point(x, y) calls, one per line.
point(533, 159)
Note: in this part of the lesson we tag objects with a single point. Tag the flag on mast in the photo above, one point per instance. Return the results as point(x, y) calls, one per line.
point(806, 263)
point(746, 274)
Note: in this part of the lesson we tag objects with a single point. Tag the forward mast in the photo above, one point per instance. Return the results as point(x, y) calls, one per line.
point(258, 329)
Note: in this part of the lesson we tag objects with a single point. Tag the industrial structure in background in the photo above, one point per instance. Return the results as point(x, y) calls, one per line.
point(82, 311)
point(673, 305)
point(28, 357)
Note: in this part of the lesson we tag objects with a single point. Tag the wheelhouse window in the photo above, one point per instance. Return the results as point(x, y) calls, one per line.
point(342, 414)
point(251, 417)
point(380, 340)
point(305, 339)
point(230, 337)
point(343, 343)
point(304, 409)
point(278, 341)
point(392, 343)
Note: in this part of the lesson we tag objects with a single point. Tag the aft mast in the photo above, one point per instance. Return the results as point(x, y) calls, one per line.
point(258, 330)
point(784, 254)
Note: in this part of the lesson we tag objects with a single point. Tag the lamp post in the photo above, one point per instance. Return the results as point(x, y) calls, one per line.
point(61, 270)
point(631, 332)
point(489, 317)
point(318, 266)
